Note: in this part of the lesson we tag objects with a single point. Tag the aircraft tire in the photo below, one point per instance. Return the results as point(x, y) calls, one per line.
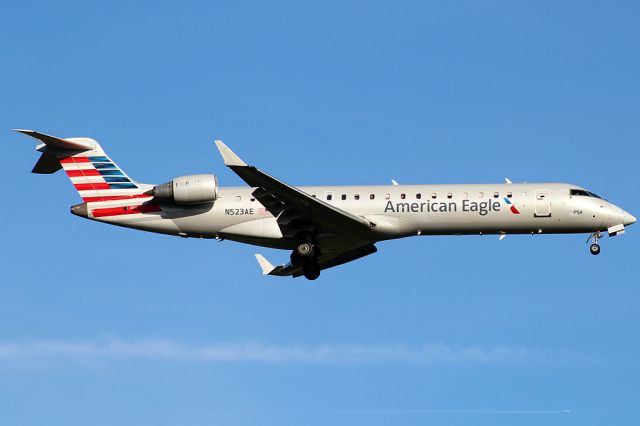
point(311, 270)
point(305, 249)
point(594, 249)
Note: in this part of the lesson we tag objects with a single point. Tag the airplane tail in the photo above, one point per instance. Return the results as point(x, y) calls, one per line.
point(94, 175)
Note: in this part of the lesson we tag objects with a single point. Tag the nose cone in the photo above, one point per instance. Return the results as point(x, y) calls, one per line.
point(628, 219)
point(80, 210)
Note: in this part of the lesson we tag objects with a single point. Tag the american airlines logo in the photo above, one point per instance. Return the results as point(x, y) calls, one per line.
point(482, 208)
point(513, 208)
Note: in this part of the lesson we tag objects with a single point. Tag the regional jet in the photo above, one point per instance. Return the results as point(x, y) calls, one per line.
point(322, 226)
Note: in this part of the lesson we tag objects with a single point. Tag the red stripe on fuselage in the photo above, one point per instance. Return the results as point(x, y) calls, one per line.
point(114, 197)
point(119, 211)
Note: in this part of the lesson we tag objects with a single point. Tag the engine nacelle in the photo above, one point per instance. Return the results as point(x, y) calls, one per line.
point(192, 189)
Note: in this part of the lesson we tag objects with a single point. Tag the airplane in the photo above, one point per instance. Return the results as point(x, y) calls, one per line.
point(323, 226)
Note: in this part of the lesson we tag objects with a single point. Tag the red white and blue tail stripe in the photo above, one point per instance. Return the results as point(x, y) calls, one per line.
point(98, 178)
point(104, 186)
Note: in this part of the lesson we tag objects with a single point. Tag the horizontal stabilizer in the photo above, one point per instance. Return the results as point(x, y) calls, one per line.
point(80, 144)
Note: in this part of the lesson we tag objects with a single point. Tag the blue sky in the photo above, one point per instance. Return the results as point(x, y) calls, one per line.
point(107, 326)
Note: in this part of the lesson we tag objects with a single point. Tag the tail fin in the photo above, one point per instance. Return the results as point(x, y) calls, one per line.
point(91, 171)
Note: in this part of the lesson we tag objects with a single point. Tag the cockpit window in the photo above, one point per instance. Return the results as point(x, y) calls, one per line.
point(579, 192)
point(583, 193)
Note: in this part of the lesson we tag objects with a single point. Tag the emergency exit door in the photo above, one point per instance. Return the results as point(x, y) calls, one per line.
point(543, 203)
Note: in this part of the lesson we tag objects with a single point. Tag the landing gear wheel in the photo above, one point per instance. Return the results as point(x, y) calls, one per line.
point(594, 248)
point(304, 249)
point(311, 270)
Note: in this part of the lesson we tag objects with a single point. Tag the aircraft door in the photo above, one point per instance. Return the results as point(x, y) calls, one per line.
point(543, 203)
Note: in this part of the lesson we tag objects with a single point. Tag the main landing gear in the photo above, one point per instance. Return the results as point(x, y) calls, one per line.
point(310, 268)
point(305, 249)
point(594, 248)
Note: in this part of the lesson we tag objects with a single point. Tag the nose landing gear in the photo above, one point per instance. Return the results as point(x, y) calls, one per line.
point(594, 248)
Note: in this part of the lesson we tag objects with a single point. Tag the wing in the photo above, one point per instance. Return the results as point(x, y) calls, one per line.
point(327, 259)
point(295, 211)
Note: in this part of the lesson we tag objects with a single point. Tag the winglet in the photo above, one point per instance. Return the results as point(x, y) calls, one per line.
point(265, 265)
point(229, 157)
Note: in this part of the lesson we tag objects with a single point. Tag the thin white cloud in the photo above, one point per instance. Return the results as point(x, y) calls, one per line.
point(242, 352)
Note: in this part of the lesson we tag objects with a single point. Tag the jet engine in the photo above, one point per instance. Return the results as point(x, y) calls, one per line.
point(192, 189)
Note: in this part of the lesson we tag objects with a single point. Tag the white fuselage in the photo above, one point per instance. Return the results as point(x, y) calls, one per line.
point(395, 210)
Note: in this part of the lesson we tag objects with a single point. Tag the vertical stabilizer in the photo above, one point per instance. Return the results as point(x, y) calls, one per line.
point(94, 175)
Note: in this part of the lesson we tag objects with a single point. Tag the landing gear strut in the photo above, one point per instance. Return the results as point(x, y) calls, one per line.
point(305, 253)
point(594, 248)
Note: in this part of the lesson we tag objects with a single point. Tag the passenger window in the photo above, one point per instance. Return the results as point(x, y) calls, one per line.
point(480, 194)
point(372, 196)
point(387, 196)
point(253, 199)
point(356, 197)
point(313, 195)
point(509, 195)
point(449, 195)
point(329, 197)
point(465, 195)
point(403, 196)
point(434, 195)
point(496, 195)
point(238, 198)
point(418, 196)
point(344, 196)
